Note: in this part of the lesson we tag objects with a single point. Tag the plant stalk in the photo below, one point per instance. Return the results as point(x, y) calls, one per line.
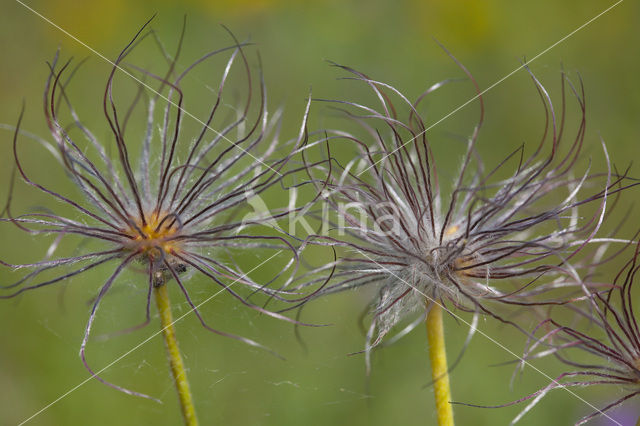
point(439, 369)
point(173, 353)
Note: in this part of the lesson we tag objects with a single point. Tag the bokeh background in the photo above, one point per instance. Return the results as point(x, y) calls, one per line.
point(317, 385)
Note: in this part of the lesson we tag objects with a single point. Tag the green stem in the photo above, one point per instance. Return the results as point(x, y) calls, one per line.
point(175, 359)
point(439, 369)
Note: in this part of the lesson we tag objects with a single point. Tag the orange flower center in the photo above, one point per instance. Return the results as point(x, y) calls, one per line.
point(451, 230)
point(158, 230)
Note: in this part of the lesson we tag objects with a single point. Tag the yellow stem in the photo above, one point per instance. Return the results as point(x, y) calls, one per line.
point(175, 359)
point(439, 370)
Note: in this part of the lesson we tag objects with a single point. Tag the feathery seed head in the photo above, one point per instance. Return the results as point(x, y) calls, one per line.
point(498, 235)
point(164, 200)
point(601, 347)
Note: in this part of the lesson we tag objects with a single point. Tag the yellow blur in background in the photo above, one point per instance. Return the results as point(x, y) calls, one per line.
point(318, 384)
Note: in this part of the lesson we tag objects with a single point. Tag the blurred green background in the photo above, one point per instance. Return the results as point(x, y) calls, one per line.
point(391, 41)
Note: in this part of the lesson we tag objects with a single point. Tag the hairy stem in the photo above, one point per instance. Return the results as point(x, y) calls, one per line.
point(439, 370)
point(175, 359)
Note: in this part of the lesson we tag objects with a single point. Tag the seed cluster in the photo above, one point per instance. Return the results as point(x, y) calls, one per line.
point(528, 232)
